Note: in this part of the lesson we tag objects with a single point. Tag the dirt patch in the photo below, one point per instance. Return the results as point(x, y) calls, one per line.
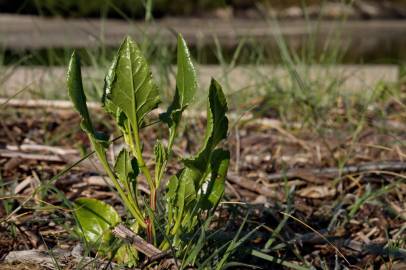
point(339, 195)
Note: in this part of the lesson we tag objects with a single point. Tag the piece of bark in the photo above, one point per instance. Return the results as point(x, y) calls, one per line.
point(153, 253)
point(140, 244)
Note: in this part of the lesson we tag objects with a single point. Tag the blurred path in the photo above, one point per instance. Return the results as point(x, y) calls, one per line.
point(249, 79)
point(31, 32)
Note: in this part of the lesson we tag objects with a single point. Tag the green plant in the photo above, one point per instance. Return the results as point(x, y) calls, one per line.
point(194, 192)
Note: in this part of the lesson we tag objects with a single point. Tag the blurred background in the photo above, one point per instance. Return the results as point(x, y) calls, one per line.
point(311, 85)
point(248, 45)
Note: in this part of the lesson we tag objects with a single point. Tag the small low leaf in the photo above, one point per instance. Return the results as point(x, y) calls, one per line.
point(96, 218)
point(215, 190)
point(127, 254)
point(172, 187)
point(126, 167)
point(170, 197)
point(185, 195)
point(180, 195)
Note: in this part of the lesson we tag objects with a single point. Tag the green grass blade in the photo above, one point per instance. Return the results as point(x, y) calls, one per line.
point(275, 260)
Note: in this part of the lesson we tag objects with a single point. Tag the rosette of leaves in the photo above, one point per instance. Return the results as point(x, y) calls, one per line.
point(130, 94)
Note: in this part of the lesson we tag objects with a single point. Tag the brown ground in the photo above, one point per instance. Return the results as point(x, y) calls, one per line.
point(261, 151)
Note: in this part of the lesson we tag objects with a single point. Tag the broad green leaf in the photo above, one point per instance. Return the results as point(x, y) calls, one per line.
point(215, 190)
point(108, 105)
point(129, 85)
point(76, 93)
point(186, 81)
point(186, 85)
point(216, 130)
point(96, 218)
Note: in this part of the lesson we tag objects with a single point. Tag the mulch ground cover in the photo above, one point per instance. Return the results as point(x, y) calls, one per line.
point(331, 198)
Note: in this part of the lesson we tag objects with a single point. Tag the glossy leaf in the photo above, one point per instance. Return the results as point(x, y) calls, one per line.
point(215, 190)
point(129, 95)
point(129, 85)
point(216, 130)
point(186, 85)
point(198, 167)
point(76, 93)
point(108, 81)
point(108, 105)
point(96, 218)
point(78, 97)
point(186, 81)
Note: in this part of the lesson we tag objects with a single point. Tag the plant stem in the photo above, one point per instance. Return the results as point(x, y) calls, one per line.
point(172, 134)
point(132, 207)
point(137, 152)
point(171, 139)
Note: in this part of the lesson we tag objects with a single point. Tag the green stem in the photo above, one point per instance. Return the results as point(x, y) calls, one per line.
point(133, 208)
point(172, 134)
point(137, 152)
point(135, 144)
point(171, 139)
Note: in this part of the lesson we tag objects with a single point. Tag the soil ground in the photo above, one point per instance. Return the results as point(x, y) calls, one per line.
point(339, 195)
